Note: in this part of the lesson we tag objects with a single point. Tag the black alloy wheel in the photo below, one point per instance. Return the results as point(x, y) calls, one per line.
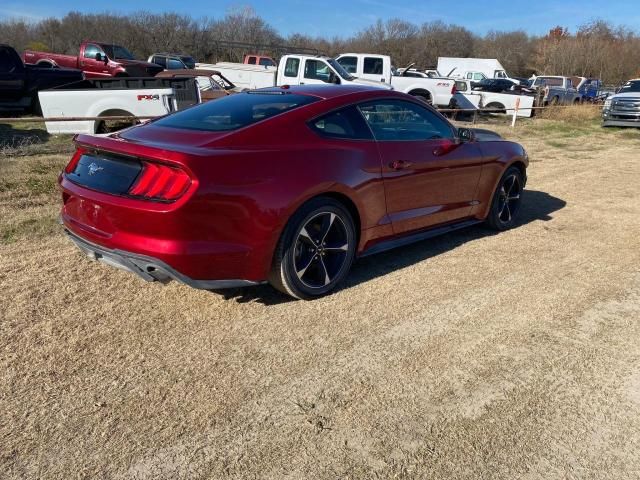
point(506, 200)
point(316, 250)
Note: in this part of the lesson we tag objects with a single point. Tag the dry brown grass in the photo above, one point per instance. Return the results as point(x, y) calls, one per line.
point(473, 355)
point(573, 113)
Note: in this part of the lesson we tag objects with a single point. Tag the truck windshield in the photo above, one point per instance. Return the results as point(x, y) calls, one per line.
point(236, 111)
point(116, 51)
point(340, 69)
point(630, 87)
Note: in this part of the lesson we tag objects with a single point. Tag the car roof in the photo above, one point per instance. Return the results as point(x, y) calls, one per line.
point(326, 91)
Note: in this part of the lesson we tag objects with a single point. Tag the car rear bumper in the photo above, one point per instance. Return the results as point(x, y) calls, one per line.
point(149, 268)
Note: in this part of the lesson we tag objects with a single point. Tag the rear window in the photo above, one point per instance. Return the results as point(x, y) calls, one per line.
point(236, 111)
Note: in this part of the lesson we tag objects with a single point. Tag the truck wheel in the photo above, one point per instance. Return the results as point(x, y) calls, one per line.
point(497, 107)
point(108, 126)
point(554, 101)
point(45, 64)
point(423, 96)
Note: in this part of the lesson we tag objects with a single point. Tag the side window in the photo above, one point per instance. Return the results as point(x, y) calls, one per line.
point(266, 62)
point(346, 123)
point(469, 76)
point(478, 76)
point(205, 84)
point(252, 61)
point(316, 70)
point(397, 120)
point(174, 64)
point(291, 67)
point(162, 61)
point(350, 64)
point(373, 66)
point(461, 86)
point(7, 63)
point(91, 50)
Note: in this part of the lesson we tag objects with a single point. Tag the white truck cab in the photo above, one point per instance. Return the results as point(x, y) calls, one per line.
point(292, 70)
point(474, 69)
point(377, 68)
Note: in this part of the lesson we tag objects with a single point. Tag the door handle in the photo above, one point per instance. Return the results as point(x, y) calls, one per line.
point(399, 164)
point(301, 83)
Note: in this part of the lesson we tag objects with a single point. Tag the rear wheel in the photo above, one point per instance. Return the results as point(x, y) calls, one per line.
point(422, 95)
point(316, 250)
point(496, 107)
point(506, 200)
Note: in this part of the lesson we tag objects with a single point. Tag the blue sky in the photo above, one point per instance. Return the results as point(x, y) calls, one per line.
point(343, 18)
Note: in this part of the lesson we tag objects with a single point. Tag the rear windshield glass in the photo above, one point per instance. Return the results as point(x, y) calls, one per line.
point(235, 111)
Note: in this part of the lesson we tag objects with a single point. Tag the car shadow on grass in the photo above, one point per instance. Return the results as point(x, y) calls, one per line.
point(16, 140)
point(535, 206)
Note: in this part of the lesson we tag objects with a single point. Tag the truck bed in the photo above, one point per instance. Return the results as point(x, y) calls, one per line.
point(68, 61)
point(186, 89)
point(138, 97)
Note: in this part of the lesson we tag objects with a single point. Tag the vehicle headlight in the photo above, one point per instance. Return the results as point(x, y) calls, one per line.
point(607, 103)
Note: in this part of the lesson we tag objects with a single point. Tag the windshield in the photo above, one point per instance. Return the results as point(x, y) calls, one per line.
point(188, 61)
point(236, 111)
point(116, 51)
point(340, 69)
point(630, 87)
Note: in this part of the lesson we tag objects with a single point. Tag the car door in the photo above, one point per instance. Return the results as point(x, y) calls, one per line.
point(316, 72)
point(430, 176)
point(12, 75)
point(92, 66)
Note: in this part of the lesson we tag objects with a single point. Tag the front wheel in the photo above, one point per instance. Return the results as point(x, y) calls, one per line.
point(506, 200)
point(316, 250)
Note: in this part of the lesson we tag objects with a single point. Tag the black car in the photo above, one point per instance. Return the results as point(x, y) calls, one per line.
point(173, 61)
point(495, 85)
point(20, 82)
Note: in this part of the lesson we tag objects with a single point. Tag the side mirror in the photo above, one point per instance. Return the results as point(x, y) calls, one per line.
point(99, 57)
point(333, 78)
point(466, 135)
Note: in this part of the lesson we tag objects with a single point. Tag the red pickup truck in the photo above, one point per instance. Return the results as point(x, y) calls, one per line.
point(96, 60)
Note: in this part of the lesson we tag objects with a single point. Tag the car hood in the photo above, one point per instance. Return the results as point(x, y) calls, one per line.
point(137, 63)
point(371, 83)
point(483, 135)
point(625, 95)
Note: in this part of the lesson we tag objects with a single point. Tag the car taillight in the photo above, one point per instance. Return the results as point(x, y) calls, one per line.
point(71, 166)
point(454, 90)
point(160, 182)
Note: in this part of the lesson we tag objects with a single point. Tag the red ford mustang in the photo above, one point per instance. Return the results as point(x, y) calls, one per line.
point(286, 185)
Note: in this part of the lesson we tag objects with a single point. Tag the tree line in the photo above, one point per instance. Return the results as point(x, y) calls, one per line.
point(597, 49)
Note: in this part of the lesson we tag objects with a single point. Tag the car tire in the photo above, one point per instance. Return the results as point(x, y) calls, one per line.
point(315, 251)
point(496, 107)
point(507, 198)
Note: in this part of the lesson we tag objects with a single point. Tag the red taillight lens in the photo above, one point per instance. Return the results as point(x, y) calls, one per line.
point(160, 182)
point(454, 90)
point(71, 166)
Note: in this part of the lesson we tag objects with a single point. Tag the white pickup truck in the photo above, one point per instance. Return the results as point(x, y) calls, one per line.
point(292, 70)
point(434, 90)
point(113, 97)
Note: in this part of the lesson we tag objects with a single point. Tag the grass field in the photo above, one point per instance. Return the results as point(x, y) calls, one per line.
point(473, 355)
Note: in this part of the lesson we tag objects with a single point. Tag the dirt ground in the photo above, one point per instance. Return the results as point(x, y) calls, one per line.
point(474, 355)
